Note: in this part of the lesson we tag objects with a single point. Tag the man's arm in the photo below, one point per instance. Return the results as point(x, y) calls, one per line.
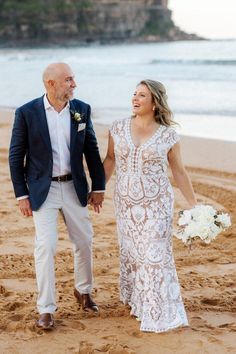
point(17, 152)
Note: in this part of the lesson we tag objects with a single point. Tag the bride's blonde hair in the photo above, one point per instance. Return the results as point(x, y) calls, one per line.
point(163, 114)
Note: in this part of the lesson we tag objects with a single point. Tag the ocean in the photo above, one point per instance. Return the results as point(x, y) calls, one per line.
point(200, 77)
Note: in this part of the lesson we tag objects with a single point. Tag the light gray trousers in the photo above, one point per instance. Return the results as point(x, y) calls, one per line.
point(61, 196)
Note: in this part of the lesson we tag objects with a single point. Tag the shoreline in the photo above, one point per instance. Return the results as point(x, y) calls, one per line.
point(181, 119)
point(73, 43)
point(196, 151)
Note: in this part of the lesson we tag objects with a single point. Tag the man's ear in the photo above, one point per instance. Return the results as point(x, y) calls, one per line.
point(51, 83)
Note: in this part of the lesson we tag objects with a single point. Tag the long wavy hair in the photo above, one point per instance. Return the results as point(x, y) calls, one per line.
point(162, 113)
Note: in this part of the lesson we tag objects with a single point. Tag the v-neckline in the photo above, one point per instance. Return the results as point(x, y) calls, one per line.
point(145, 142)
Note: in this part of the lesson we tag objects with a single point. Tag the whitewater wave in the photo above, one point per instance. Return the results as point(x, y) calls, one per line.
point(194, 62)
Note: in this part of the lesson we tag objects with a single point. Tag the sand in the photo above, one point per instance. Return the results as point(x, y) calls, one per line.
point(207, 274)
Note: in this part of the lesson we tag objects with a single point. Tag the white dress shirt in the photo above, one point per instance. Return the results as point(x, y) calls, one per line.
point(59, 132)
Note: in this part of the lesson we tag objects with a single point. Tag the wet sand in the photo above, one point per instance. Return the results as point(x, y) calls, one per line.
point(207, 275)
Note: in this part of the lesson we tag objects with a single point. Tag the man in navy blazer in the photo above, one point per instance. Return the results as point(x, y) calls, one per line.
point(50, 136)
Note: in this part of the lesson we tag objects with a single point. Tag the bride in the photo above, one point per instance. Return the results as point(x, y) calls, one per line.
point(140, 148)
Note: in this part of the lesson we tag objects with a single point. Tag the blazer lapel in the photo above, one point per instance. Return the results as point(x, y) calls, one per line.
point(42, 119)
point(73, 126)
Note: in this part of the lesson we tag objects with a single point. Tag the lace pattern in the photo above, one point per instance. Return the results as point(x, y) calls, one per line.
point(144, 200)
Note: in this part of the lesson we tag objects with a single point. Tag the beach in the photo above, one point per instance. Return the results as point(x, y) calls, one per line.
point(207, 274)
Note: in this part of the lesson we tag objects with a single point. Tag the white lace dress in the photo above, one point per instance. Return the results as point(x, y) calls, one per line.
point(144, 208)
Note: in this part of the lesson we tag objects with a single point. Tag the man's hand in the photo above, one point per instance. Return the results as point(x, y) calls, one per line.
point(96, 199)
point(25, 207)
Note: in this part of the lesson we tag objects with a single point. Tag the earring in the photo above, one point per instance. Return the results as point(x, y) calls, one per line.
point(153, 108)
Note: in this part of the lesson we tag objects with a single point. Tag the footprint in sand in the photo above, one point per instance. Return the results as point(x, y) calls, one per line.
point(18, 323)
point(88, 348)
point(136, 334)
point(11, 306)
point(231, 326)
point(197, 323)
point(110, 337)
point(84, 348)
point(201, 325)
point(208, 301)
point(120, 349)
point(77, 325)
point(2, 290)
point(16, 317)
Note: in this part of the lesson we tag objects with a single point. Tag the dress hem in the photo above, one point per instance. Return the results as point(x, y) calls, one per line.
point(180, 324)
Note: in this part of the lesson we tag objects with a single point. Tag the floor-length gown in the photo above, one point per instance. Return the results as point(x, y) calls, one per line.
point(144, 209)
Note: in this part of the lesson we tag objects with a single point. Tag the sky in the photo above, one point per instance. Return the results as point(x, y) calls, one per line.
point(215, 19)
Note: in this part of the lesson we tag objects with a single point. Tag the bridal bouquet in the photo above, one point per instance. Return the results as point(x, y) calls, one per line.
point(202, 221)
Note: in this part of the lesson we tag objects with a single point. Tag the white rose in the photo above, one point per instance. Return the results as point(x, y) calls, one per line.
point(191, 229)
point(185, 218)
point(210, 210)
point(203, 212)
point(185, 238)
point(203, 232)
point(215, 230)
point(224, 219)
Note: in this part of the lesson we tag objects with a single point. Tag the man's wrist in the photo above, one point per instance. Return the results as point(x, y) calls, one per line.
point(22, 197)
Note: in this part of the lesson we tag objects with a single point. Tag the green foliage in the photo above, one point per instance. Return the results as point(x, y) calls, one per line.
point(158, 27)
point(38, 21)
point(34, 13)
point(25, 9)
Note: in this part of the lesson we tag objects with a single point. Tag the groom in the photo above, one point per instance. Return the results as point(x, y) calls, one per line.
point(49, 138)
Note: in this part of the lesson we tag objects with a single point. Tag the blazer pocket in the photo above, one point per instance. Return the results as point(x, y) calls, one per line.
point(81, 127)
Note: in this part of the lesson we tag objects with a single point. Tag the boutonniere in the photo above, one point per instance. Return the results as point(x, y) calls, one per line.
point(76, 116)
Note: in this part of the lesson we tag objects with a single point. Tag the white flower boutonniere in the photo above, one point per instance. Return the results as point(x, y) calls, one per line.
point(76, 116)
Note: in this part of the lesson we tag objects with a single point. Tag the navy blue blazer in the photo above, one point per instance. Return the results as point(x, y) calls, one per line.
point(30, 156)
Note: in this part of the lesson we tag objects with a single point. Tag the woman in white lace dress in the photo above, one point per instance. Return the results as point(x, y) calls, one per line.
point(141, 148)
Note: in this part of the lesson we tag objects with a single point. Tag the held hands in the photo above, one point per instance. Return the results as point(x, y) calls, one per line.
point(95, 199)
point(25, 207)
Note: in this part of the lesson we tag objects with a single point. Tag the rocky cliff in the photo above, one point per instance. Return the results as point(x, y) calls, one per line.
point(37, 22)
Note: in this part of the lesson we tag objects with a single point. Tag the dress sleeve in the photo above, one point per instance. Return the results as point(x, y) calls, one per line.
point(173, 138)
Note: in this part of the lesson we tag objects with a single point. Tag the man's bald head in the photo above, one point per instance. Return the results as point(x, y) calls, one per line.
point(59, 82)
point(54, 71)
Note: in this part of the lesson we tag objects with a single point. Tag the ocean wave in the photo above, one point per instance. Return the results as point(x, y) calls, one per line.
point(230, 113)
point(226, 62)
point(104, 59)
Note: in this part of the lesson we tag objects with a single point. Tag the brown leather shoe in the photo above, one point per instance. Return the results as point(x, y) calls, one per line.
point(86, 301)
point(45, 321)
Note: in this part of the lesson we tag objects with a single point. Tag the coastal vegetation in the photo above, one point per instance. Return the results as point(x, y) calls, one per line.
point(36, 22)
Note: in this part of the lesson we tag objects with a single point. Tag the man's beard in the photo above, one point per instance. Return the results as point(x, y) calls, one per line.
point(65, 97)
point(69, 95)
